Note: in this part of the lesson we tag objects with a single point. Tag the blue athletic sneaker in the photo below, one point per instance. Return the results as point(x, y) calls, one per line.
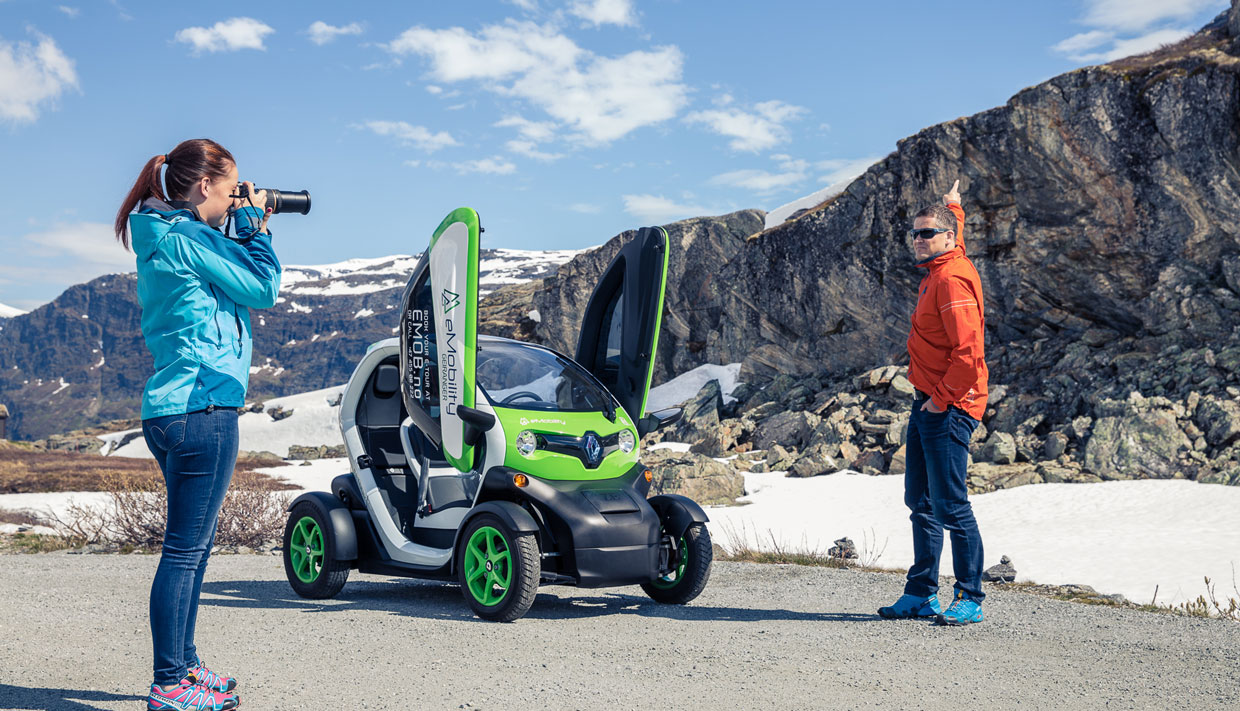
point(963, 611)
point(909, 606)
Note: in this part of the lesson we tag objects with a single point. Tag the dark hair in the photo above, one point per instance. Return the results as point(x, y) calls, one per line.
point(188, 163)
point(943, 217)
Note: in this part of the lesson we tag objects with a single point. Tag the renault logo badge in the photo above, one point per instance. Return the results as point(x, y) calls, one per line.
point(594, 449)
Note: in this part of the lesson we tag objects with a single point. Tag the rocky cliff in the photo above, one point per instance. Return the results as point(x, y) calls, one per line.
point(1104, 219)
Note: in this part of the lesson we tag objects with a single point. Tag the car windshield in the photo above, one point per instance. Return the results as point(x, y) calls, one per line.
point(527, 377)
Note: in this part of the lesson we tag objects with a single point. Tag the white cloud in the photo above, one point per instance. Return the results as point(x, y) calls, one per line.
point(1121, 28)
point(754, 130)
point(434, 90)
point(656, 208)
point(72, 12)
point(1128, 47)
point(530, 149)
point(538, 131)
point(410, 135)
point(604, 12)
point(64, 254)
point(599, 98)
point(491, 166)
point(791, 172)
point(32, 75)
point(585, 208)
point(227, 36)
point(844, 170)
point(527, 5)
point(321, 33)
point(1136, 15)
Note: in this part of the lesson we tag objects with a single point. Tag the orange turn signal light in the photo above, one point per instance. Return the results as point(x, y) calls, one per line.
point(521, 480)
point(648, 474)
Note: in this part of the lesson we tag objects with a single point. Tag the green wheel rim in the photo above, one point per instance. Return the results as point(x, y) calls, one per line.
point(305, 549)
point(488, 566)
point(673, 578)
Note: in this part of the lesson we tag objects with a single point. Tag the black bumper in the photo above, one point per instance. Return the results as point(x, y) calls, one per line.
point(601, 533)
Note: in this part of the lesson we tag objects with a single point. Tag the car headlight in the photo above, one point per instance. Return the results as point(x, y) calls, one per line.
point(626, 441)
point(527, 443)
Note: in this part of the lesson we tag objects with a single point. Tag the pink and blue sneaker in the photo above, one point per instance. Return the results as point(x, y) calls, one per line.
point(200, 674)
point(963, 611)
point(188, 696)
point(911, 606)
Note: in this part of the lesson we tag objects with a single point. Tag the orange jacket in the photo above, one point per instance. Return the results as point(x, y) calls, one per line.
point(946, 346)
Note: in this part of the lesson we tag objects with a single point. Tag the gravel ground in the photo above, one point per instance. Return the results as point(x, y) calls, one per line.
point(73, 635)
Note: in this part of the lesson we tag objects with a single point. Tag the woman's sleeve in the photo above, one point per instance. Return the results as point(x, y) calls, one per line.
point(248, 272)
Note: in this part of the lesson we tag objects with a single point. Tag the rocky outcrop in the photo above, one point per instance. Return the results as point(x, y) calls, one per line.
point(701, 478)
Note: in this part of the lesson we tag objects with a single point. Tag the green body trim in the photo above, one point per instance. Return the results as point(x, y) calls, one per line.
point(488, 565)
point(658, 323)
point(469, 300)
point(552, 465)
point(305, 549)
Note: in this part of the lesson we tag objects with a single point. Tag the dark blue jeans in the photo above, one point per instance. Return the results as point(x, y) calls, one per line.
point(196, 453)
point(935, 492)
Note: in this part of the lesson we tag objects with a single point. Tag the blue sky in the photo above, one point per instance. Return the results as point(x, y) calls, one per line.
point(562, 122)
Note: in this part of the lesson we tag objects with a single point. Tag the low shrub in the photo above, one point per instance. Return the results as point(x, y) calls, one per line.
point(136, 513)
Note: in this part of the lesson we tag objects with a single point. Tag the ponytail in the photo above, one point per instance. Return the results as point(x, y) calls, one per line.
point(188, 163)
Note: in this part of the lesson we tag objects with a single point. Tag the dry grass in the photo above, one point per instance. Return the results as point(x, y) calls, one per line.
point(31, 471)
point(136, 514)
point(738, 548)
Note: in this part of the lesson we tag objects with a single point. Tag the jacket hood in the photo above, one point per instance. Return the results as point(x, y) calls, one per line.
point(150, 224)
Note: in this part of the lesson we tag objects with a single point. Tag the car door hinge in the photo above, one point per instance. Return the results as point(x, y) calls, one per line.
point(365, 462)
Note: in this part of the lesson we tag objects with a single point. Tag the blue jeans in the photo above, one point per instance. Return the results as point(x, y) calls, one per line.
point(196, 453)
point(936, 493)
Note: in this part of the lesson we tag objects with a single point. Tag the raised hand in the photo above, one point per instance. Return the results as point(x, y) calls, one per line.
point(953, 195)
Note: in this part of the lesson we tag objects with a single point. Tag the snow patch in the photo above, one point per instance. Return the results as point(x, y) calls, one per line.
point(683, 387)
point(1106, 534)
point(535, 316)
point(363, 313)
point(63, 385)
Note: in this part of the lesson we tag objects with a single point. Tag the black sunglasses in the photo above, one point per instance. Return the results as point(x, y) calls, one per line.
point(927, 233)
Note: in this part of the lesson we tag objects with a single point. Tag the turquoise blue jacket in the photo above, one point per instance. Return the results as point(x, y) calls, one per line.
point(196, 288)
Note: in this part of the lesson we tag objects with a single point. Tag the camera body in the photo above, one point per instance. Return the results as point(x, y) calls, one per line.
point(280, 200)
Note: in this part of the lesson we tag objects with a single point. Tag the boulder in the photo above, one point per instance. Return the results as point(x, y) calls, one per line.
point(899, 461)
point(702, 479)
point(902, 386)
point(779, 459)
point(279, 413)
point(323, 451)
point(1138, 445)
point(870, 462)
point(999, 448)
point(1220, 421)
point(1056, 445)
point(701, 414)
point(814, 461)
point(791, 428)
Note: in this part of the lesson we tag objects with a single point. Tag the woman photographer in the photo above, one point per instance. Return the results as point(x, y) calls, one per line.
point(196, 286)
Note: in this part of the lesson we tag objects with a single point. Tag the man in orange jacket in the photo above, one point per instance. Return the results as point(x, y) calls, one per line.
point(947, 366)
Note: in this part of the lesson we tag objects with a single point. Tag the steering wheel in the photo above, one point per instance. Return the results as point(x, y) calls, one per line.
point(521, 394)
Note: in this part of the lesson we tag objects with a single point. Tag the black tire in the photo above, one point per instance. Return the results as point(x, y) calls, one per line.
point(523, 571)
point(326, 575)
point(690, 581)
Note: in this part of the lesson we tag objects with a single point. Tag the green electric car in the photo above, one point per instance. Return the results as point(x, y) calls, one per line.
point(500, 464)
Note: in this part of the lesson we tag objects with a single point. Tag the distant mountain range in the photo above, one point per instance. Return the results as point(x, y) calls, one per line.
point(80, 359)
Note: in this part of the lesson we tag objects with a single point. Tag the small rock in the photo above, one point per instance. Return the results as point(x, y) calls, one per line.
point(844, 549)
point(1004, 572)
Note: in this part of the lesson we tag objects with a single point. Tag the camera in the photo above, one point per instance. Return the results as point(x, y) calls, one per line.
point(280, 200)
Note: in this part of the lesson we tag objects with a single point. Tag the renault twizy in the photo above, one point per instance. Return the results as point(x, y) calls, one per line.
point(501, 464)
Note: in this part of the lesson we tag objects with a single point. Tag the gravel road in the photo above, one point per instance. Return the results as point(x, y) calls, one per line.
point(73, 636)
